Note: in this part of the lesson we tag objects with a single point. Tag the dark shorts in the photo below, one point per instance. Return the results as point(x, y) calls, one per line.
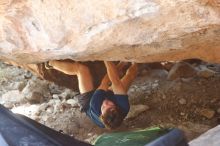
point(84, 99)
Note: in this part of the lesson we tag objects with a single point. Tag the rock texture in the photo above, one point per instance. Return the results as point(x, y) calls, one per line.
point(130, 30)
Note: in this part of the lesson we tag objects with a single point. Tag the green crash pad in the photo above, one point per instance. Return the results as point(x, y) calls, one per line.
point(131, 138)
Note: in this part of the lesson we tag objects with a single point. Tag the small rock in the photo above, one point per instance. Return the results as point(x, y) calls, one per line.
point(9, 105)
point(182, 114)
point(214, 100)
point(182, 101)
point(168, 65)
point(57, 101)
point(67, 94)
point(155, 85)
point(208, 113)
point(72, 102)
point(135, 110)
point(43, 107)
point(50, 109)
point(28, 75)
point(44, 118)
point(206, 73)
point(143, 88)
point(163, 96)
point(181, 70)
point(171, 119)
point(132, 89)
point(55, 96)
point(37, 113)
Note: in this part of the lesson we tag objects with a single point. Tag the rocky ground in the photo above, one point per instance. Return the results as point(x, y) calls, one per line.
point(184, 95)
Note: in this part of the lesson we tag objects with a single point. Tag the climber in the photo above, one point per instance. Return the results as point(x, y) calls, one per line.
point(107, 105)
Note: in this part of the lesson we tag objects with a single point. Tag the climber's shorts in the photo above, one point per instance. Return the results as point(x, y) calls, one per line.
point(84, 99)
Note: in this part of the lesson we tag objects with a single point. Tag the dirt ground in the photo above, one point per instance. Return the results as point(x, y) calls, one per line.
point(191, 104)
point(180, 103)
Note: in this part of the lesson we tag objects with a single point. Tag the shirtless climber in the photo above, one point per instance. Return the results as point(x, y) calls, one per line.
point(107, 105)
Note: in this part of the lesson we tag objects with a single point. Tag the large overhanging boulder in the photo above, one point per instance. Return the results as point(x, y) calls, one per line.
point(33, 31)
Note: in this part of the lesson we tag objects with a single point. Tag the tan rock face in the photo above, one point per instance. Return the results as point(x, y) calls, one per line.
point(131, 30)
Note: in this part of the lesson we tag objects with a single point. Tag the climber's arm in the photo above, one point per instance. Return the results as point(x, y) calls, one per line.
point(112, 72)
point(105, 83)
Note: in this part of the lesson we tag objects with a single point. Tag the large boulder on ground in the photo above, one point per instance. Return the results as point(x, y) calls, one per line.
point(35, 91)
point(181, 70)
point(88, 30)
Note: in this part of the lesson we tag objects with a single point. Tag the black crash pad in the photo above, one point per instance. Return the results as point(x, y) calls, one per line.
point(18, 130)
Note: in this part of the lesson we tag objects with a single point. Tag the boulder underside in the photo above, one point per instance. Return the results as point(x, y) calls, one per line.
point(91, 30)
point(33, 32)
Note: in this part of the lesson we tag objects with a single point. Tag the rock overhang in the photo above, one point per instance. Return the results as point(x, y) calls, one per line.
point(140, 31)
